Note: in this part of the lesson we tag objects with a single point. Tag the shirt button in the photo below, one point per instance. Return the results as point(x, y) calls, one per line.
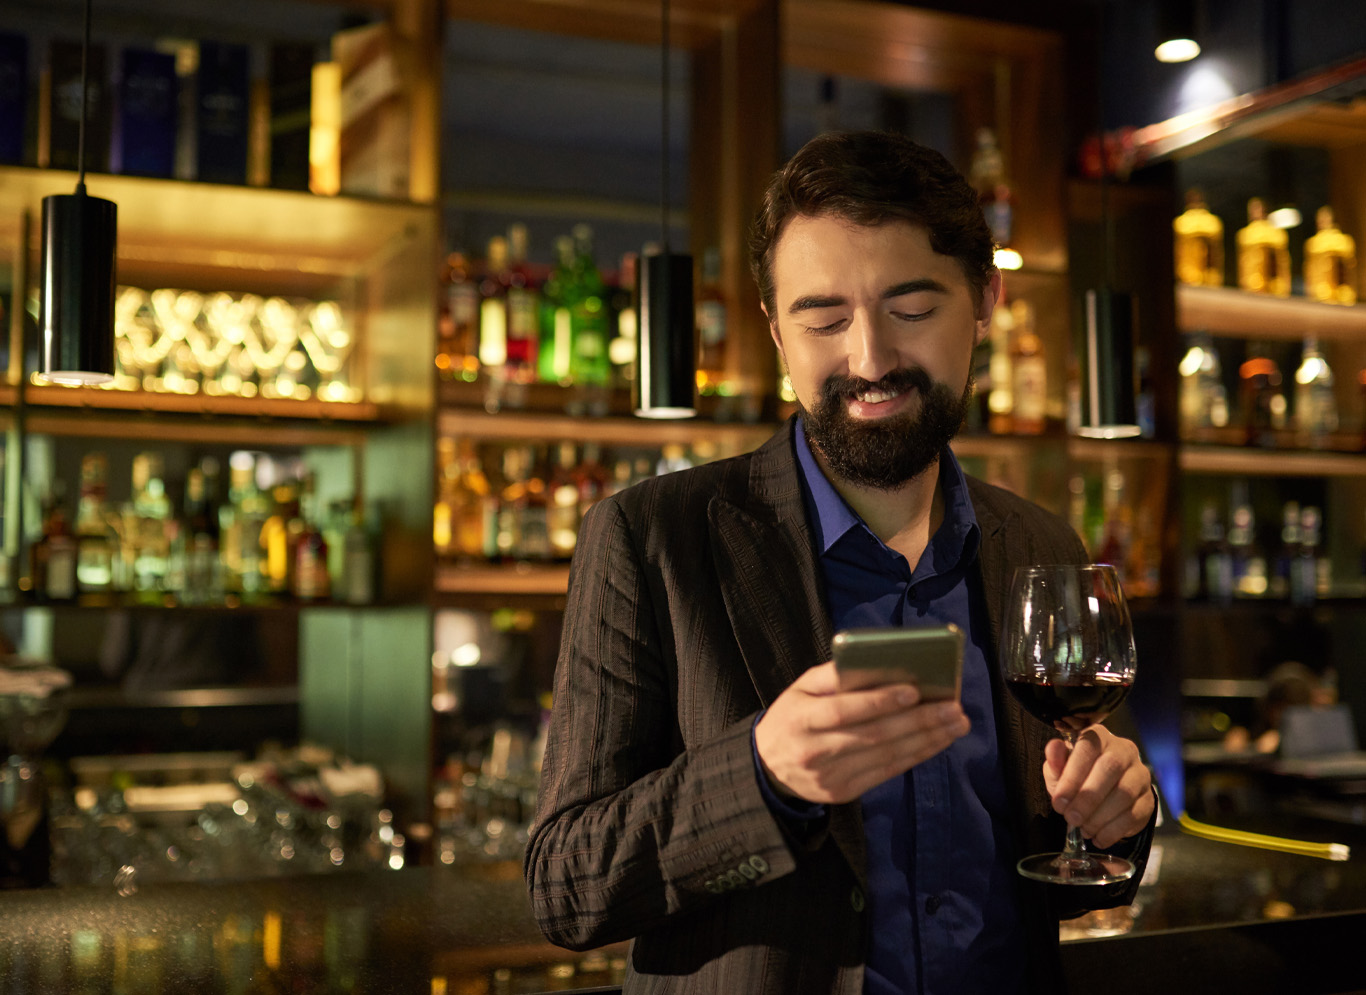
point(932, 904)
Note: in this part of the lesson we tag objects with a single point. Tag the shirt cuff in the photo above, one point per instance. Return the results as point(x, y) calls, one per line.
point(798, 816)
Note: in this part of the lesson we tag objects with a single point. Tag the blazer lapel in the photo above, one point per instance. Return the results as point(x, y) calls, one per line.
point(770, 580)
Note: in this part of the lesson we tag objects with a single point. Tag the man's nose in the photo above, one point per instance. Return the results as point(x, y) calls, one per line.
point(872, 348)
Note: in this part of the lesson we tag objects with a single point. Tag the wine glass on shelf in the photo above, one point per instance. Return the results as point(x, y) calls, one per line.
point(1067, 655)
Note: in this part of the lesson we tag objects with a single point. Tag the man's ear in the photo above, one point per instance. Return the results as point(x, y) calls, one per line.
point(991, 295)
point(773, 331)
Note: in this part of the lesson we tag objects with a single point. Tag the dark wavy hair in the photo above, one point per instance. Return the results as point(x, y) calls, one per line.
point(869, 177)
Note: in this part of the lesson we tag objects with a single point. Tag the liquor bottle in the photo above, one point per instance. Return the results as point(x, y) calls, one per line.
point(1318, 562)
point(523, 332)
point(1001, 395)
point(493, 309)
point(510, 497)
point(1316, 406)
point(557, 335)
point(311, 580)
point(1249, 562)
point(592, 478)
point(588, 315)
point(279, 533)
point(713, 344)
point(473, 508)
point(151, 515)
point(52, 570)
point(987, 173)
point(1330, 262)
point(1301, 568)
point(461, 341)
point(358, 576)
point(1263, 399)
point(241, 520)
point(1199, 244)
point(1204, 402)
point(534, 511)
point(1283, 579)
point(1029, 372)
point(201, 524)
point(447, 474)
point(96, 541)
point(562, 513)
point(1263, 255)
point(622, 351)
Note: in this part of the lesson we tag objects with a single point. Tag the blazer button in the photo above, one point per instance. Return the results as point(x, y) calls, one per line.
point(759, 864)
point(856, 899)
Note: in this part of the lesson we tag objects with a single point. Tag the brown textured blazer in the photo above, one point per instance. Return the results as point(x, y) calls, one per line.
point(694, 600)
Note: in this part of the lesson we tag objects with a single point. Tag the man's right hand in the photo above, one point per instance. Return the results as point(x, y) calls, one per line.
point(825, 745)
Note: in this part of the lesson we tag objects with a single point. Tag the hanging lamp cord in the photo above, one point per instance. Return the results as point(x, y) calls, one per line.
point(664, 127)
point(85, 91)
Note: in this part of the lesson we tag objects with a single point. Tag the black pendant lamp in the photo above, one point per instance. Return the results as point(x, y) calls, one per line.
point(666, 356)
point(76, 290)
point(1109, 409)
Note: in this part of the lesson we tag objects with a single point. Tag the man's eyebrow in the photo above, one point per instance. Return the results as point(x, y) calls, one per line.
point(924, 284)
point(813, 301)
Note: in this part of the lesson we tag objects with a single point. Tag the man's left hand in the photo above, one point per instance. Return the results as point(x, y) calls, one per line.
point(1101, 785)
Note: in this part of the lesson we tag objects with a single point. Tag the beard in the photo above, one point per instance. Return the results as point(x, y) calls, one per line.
point(887, 452)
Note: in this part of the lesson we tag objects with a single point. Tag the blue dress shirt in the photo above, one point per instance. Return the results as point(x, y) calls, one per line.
point(942, 888)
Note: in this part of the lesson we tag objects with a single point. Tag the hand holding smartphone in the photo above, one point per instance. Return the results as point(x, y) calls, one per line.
point(930, 658)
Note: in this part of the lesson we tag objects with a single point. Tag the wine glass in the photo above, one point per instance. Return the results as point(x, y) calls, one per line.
point(1067, 655)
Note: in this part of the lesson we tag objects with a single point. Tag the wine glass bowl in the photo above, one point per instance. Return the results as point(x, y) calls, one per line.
point(1067, 656)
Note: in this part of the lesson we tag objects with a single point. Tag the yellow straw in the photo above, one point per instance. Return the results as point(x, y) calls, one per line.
point(1327, 851)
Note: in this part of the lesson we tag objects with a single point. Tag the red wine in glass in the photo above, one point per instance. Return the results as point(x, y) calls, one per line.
point(1070, 705)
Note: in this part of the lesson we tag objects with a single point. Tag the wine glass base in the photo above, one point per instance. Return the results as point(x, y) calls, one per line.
point(1086, 868)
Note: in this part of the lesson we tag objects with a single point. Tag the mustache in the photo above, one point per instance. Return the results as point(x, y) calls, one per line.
point(842, 386)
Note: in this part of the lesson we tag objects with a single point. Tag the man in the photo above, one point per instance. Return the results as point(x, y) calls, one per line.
point(708, 789)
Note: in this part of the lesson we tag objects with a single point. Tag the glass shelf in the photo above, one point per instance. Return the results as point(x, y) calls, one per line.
point(1232, 313)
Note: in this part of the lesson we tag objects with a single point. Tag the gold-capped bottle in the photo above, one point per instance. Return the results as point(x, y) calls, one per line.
point(1263, 254)
point(1330, 262)
point(1029, 372)
point(1199, 244)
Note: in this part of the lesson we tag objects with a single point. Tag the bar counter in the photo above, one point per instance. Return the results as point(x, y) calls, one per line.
point(1218, 917)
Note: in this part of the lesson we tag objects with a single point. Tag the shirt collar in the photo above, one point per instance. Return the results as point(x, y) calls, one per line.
point(831, 516)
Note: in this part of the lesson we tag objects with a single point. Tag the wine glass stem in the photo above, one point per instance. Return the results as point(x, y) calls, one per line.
point(1073, 846)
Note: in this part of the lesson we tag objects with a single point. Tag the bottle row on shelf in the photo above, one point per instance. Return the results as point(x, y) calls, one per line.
point(523, 502)
point(1260, 408)
point(566, 322)
point(202, 110)
point(1235, 561)
point(1263, 255)
point(267, 538)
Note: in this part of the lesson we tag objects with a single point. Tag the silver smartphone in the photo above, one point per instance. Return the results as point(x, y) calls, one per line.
point(930, 658)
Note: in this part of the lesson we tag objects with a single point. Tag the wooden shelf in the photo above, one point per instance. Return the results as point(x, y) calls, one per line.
point(513, 579)
point(515, 425)
point(1230, 312)
point(231, 237)
point(1253, 462)
point(1312, 111)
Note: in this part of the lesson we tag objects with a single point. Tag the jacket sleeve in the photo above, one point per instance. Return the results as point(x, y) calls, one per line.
point(634, 825)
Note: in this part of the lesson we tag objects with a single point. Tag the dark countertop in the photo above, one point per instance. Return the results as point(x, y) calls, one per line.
point(1218, 918)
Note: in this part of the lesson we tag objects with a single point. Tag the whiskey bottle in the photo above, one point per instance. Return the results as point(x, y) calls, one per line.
point(201, 527)
point(1249, 562)
point(1029, 372)
point(557, 337)
point(278, 534)
point(1204, 402)
point(1263, 399)
point(1316, 408)
point(987, 173)
point(1263, 255)
point(1330, 262)
point(311, 580)
point(96, 541)
point(151, 516)
point(562, 513)
point(591, 477)
point(460, 339)
point(240, 520)
point(52, 570)
point(523, 333)
point(588, 313)
point(1302, 573)
point(1001, 393)
point(447, 476)
point(1199, 244)
point(1319, 562)
point(713, 343)
point(1283, 574)
point(493, 310)
point(473, 508)
point(534, 510)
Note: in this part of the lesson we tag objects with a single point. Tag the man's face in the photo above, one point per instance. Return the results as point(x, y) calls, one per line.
point(877, 331)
